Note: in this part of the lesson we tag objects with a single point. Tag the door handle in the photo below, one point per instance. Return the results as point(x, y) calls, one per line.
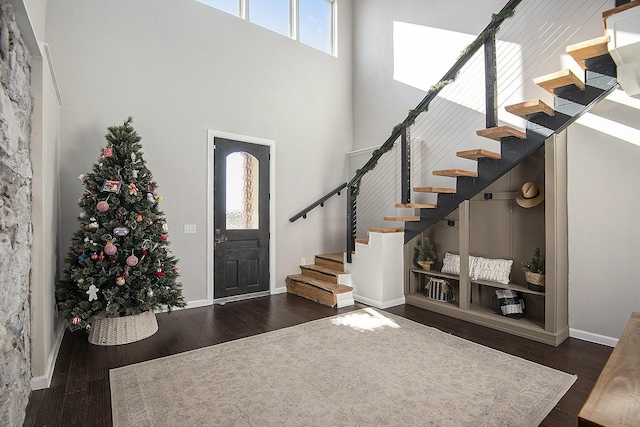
point(221, 239)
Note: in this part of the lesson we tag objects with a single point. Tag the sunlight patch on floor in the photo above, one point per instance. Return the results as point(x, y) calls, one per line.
point(365, 320)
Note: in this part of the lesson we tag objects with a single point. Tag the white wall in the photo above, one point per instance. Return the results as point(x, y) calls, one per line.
point(380, 102)
point(180, 68)
point(46, 331)
point(604, 232)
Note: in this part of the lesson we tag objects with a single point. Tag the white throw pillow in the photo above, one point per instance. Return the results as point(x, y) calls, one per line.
point(451, 264)
point(495, 270)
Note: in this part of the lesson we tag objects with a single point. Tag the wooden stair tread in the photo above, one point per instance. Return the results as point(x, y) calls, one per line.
point(333, 288)
point(327, 271)
point(533, 106)
point(557, 80)
point(588, 49)
point(386, 230)
point(447, 190)
point(478, 153)
point(362, 241)
point(401, 218)
point(500, 132)
point(455, 172)
point(332, 261)
point(416, 205)
point(337, 257)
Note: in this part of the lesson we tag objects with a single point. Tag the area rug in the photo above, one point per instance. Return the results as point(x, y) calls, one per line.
point(364, 368)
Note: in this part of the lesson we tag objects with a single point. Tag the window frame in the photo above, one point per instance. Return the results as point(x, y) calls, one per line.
point(244, 12)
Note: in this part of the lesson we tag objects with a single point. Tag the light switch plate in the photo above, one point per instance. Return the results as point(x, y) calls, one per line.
point(189, 229)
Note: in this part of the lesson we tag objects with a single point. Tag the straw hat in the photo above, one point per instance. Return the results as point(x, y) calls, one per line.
point(531, 194)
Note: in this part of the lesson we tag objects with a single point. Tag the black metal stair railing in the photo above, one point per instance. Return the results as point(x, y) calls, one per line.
point(457, 113)
point(353, 184)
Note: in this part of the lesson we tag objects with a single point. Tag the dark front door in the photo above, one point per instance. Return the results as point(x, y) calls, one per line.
point(241, 218)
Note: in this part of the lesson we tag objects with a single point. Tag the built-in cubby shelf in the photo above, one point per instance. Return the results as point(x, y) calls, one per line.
point(496, 227)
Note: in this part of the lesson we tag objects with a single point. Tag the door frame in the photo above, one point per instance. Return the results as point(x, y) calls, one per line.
point(212, 134)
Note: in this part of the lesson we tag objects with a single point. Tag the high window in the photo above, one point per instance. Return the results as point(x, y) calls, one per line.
point(311, 22)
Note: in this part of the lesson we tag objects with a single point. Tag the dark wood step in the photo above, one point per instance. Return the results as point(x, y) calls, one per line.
point(557, 80)
point(416, 205)
point(321, 272)
point(447, 190)
point(588, 49)
point(527, 108)
point(332, 261)
point(499, 132)
point(402, 218)
point(478, 153)
point(455, 173)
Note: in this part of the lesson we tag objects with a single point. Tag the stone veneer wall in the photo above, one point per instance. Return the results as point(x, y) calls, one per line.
point(15, 219)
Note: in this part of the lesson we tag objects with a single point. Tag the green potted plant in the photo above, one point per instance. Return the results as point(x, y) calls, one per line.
point(425, 254)
point(534, 271)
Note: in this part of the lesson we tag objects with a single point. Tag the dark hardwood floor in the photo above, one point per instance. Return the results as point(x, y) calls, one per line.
point(80, 395)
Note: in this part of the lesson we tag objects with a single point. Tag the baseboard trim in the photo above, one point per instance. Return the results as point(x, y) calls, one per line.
point(44, 381)
point(379, 304)
point(591, 337)
point(198, 303)
point(280, 290)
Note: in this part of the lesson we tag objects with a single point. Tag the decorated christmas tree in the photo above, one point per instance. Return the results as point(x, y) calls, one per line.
point(119, 262)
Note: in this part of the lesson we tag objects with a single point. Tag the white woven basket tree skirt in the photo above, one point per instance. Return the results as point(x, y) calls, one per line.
point(122, 330)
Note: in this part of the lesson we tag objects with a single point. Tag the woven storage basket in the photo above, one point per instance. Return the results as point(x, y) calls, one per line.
point(535, 281)
point(122, 330)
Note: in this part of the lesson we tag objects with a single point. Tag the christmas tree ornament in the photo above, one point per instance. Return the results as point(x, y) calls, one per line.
point(82, 215)
point(92, 292)
point(113, 261)
point(120, 280)
point(134, 173)
point(159, 272)
point(107, 152)
point(94, 224)
point(159, 198)
point(81, 177)
point(132, 260)
point(163, 237)
point(102, 206)
point(133, 158)
point(101, 257)
point(139, 218)
point(150, 223)
point(83, 257)
point(165, 227)
point(150, 293)
point(151, 198)
point(76, 320)
point(94, 256)
point(110, 248)
point(121, 231)
point(133, 190)
point(111, 186)
point(176, 270)
point(79, 251)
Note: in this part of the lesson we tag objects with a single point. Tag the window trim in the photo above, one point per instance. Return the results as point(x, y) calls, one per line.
point(294, 22)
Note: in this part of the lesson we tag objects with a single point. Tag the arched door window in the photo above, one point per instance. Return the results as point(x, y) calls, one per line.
point(242, 191)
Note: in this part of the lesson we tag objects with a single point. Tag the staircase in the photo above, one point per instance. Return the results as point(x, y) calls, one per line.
point(324, 282)
point(573, 96)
